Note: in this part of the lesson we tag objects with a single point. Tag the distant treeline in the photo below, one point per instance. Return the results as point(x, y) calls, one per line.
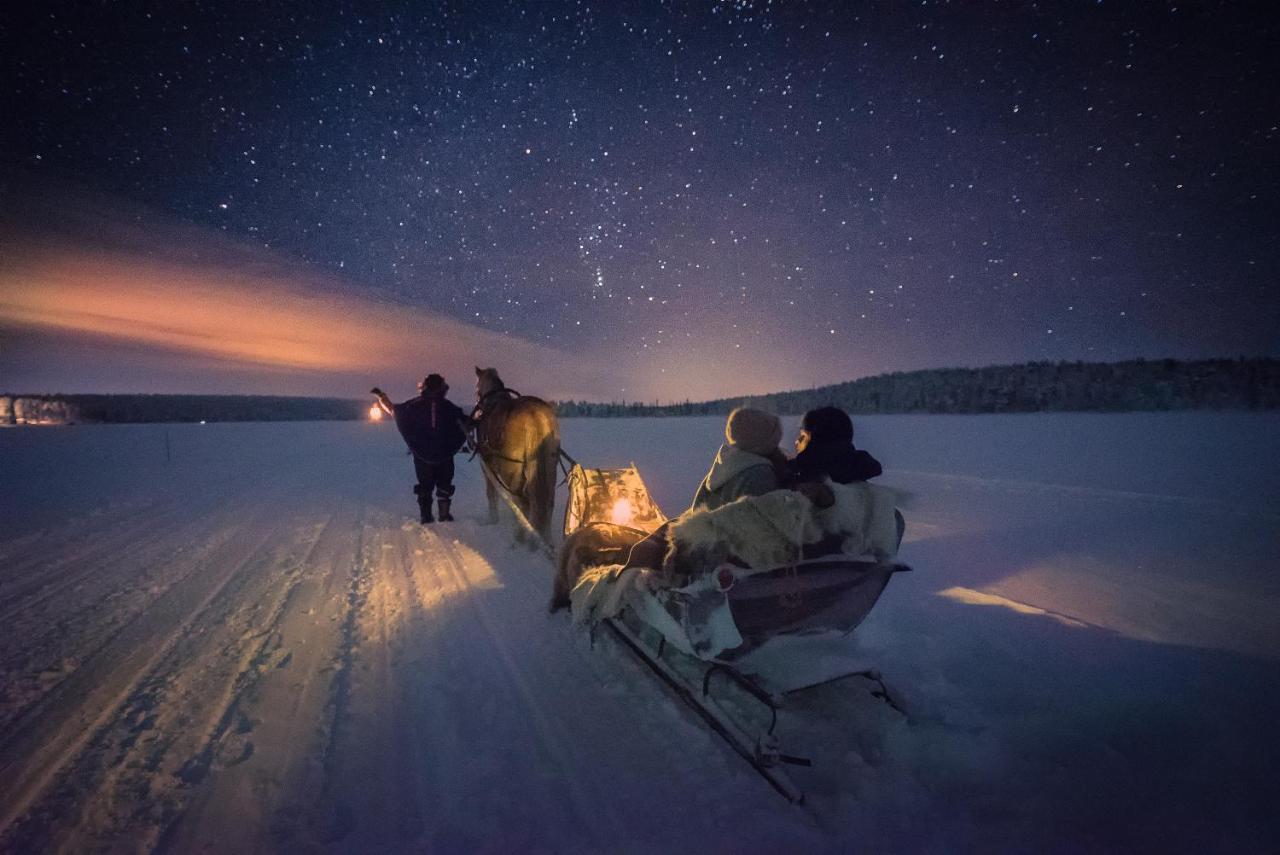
point(1165, 384)
point(124, 409)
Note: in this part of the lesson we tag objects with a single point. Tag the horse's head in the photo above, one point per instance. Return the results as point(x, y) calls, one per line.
point(487, 380)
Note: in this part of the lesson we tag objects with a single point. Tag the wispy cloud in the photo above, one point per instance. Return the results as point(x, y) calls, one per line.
point(77, 274)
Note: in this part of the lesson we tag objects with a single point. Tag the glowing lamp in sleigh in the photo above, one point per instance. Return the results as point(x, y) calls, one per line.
point(610, 496)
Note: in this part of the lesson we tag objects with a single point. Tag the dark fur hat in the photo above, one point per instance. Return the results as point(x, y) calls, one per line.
point(434, 384)
point(828, 424)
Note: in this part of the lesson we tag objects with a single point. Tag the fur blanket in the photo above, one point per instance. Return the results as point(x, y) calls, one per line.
point(864, 514)
point(762, 532)
point(770, 530)
point(601, 591)
point(592, 545)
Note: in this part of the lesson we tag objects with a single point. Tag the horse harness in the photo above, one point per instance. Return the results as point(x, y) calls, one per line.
point(479, 440)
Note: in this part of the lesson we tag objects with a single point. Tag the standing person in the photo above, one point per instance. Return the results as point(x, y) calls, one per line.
point(433, 428)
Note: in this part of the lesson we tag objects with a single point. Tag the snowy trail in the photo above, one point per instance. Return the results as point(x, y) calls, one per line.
point(255, 648)
point(112, 703)
point(285, 660)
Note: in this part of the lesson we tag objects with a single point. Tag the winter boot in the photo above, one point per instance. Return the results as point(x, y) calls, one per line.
point(444, 504)
point(424, 507)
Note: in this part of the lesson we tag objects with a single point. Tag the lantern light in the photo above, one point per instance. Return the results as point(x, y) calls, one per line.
point(375, 413)
point(610, 496)
point(622, 512)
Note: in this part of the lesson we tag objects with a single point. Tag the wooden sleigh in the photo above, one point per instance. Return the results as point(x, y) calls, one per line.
point(759, 634)
point(817, 595)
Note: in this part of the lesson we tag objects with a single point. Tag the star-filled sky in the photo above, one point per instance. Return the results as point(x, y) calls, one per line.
point(628, 199)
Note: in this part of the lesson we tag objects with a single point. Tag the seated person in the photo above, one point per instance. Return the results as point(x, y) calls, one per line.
point(825, 450)
point(749, 464)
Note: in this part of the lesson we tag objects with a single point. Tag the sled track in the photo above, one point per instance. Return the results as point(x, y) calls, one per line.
point(48, 579)
point(117, 593)
point(251, 661)
point(255, 661)
point(23, 556)
point(53, 736)
point(340, 688)
point(262, 772)
point(37, 592)
point(552, 740)
point(708, 710)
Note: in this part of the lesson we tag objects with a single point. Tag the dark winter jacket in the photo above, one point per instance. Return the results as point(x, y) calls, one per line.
point(839, 461)
point(431, 425)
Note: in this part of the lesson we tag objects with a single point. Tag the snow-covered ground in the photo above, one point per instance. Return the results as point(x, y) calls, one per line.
point(235, 638)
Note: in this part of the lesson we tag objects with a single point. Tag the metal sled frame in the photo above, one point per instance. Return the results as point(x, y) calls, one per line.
point(758, 753)
point(762, 749)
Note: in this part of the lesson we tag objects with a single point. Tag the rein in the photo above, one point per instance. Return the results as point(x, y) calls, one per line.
point(479, 445)
point(482, 446)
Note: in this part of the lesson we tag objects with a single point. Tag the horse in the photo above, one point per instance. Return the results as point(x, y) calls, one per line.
point(518, 438)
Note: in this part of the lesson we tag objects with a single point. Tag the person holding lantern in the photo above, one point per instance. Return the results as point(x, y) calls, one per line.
point(434, 428)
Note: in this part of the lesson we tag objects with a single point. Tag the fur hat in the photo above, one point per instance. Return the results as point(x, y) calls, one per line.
point(828, 424)
point(434, 383)
point(753, 430)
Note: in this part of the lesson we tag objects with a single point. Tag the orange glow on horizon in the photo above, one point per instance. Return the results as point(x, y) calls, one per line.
point(256, 315)
point(135, 291)
point(255, 319)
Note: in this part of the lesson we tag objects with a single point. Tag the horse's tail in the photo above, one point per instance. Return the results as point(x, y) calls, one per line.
point(542, 489)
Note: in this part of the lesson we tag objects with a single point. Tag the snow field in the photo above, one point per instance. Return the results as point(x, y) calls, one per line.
point(250, 646)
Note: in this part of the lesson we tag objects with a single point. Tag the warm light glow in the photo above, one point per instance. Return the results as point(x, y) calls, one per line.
point(247, 311)
point(375, 413)
point(971, 597)
point(133, 293)
point(622, 512)
point(616, 496)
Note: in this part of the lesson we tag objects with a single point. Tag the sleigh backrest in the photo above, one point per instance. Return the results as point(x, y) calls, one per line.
point(735, 610)
point(823, 594)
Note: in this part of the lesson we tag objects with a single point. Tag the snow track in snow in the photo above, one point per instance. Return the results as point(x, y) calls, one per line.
point(254, 648)
point(105, 706)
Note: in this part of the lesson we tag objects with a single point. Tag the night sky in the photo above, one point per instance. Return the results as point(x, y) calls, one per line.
point(648, 200)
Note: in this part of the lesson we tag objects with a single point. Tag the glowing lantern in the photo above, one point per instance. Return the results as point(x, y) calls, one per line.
point(622, 512)
point(616, 496)
point(375, 413)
